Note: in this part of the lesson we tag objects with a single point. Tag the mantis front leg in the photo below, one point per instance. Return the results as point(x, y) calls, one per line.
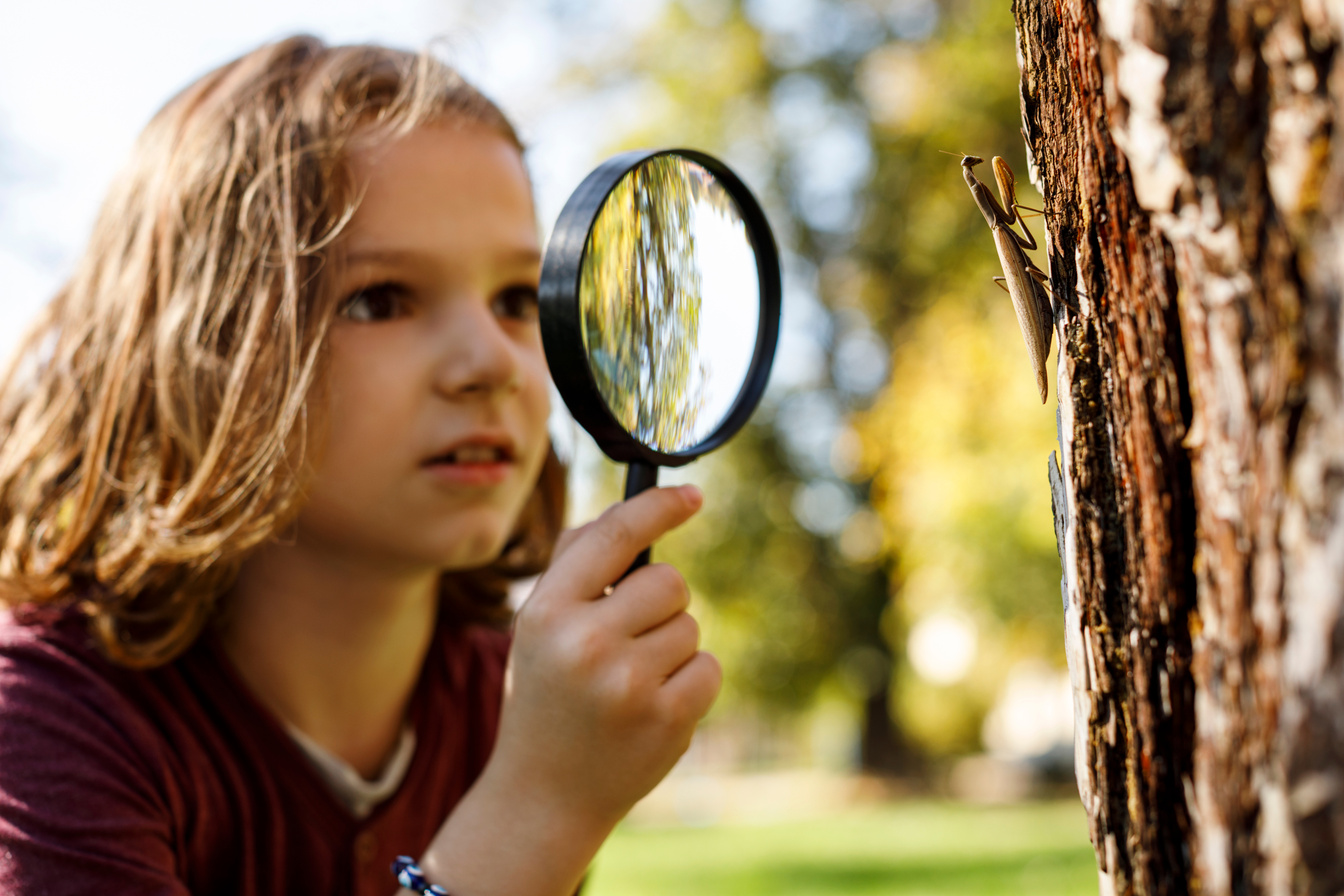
point(1004, 177)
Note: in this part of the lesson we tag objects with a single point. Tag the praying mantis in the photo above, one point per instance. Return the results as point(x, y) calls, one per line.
point(1023, 280)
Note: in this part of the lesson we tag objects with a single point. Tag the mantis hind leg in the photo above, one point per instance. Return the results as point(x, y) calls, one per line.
point(1048, 297)
point(1043, 279)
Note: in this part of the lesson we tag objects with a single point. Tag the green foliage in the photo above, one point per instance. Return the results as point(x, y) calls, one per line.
point(785, 603)
point(874, 487)
point(913, 849)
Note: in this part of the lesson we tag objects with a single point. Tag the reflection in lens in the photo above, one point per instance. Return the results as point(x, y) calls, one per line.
point(670, 302)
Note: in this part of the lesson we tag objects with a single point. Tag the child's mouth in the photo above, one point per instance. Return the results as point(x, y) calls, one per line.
point(473, 454)
point(472, 464)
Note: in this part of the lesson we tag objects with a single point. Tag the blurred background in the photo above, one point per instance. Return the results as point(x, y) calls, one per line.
point(875, 566)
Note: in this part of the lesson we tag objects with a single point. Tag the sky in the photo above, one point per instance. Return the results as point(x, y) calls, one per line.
point(80, 78)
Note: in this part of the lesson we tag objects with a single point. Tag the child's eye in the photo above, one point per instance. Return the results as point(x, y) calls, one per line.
point(381, 301)
point(517, 303)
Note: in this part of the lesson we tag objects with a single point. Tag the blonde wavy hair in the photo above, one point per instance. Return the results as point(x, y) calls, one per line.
point(157, 417)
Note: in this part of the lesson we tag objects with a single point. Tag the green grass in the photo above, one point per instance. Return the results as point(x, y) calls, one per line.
point(902, 849)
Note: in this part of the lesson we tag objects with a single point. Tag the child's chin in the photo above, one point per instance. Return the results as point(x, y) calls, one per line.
point(477, 554)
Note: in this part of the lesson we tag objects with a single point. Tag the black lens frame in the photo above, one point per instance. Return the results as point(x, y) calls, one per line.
point(562, 325)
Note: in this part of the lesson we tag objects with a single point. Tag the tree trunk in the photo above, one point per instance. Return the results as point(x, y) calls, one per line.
point(1194, 186)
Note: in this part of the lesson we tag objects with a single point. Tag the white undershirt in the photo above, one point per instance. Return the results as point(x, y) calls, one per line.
point(359, 794)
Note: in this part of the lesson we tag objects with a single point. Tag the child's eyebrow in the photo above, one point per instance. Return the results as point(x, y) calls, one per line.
point(382, 256)
point(529, 255)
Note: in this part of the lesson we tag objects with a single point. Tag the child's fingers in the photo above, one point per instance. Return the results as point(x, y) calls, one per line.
point(567, 538)
point(646, 598)
point(689, 692)
point(604, 549)
point(670, 645)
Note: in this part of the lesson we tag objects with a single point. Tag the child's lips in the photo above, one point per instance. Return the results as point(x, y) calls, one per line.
point(478, 447)
point(472, 473)
point(476, 460)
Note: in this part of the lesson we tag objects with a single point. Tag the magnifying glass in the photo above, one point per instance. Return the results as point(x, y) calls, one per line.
point(659, 305)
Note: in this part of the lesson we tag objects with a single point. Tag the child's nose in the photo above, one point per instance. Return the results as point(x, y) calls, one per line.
point(477, 356)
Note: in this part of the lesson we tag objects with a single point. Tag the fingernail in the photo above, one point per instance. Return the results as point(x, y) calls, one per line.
point(693, 494)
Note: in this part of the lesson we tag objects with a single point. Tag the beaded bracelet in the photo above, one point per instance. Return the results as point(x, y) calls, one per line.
point(412, 878)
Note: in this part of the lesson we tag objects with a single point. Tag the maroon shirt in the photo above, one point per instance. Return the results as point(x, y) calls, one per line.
point(177, 780)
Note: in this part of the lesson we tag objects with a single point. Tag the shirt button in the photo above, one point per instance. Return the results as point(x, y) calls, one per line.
point(366, 847)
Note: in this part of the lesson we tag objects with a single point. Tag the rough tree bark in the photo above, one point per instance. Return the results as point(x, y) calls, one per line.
point(1193, 174)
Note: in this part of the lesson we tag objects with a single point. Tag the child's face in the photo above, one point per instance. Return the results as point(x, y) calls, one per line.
point(438, 383)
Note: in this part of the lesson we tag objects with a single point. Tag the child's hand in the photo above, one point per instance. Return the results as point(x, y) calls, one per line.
point(601, 697)
point(604, 691)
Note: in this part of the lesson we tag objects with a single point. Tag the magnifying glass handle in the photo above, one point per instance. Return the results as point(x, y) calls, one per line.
point(639, 477)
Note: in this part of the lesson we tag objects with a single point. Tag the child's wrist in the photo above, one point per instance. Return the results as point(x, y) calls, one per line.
point(503, 817)
point(555, 805)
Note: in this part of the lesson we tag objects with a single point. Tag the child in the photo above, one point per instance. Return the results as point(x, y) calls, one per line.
point(271, 459)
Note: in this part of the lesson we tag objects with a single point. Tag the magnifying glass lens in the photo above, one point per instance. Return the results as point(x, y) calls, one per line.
point(670, 302)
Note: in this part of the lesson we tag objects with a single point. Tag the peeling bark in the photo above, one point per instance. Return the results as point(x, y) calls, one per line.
point(1187, 155)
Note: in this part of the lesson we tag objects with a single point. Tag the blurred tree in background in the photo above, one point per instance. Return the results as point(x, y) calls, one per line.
point(881, 535)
